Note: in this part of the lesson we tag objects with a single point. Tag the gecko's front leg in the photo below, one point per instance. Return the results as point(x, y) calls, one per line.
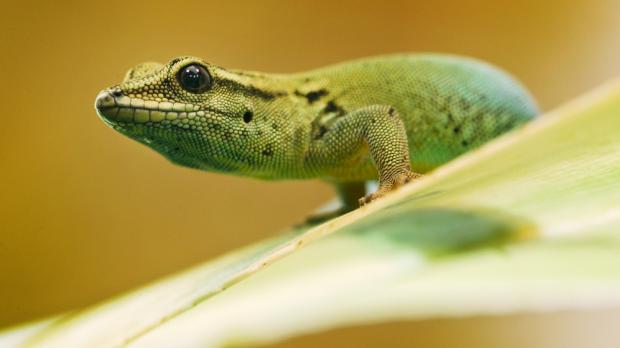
point(380, 128)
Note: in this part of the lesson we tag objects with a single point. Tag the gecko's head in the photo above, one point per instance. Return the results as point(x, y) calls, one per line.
point(192, 112)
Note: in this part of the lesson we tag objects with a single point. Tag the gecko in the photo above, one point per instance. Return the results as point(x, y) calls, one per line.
point(391, 118)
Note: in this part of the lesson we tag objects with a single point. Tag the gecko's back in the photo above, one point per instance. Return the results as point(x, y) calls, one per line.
point(449, 104)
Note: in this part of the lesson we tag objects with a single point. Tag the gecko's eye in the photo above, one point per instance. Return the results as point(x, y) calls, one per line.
point(194, 78)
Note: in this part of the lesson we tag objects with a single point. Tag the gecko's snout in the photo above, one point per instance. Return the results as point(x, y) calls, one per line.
point(117, 108)
point(104, 100)
point(105, 104)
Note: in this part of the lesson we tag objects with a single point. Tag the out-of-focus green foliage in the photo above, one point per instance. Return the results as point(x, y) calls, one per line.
point(530, 222)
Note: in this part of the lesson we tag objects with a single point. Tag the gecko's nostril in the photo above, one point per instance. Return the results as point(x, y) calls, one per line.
point(105, 104)
point(104, 100)
point(117, 93)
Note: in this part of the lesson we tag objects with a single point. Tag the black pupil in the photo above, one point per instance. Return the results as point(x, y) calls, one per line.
point(194, 78)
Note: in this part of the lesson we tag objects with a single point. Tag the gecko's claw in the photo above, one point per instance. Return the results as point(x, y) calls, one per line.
point(392, 184)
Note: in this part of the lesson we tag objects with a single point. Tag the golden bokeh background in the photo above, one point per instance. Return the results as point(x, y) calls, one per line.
point(86, 213)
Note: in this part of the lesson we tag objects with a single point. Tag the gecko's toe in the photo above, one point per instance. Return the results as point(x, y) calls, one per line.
point(406, 178)
point(371, 197)
point(363, 201)
point(389, 186)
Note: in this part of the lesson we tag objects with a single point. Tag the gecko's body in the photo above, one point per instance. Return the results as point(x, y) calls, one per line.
point(389, 117)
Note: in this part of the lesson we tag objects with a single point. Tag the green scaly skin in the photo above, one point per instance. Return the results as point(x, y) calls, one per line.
point(392, 118)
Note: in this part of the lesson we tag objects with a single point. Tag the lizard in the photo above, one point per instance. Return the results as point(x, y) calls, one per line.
point(391, 118)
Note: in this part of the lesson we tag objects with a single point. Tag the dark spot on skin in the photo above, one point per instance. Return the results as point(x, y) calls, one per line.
point(247, 116)
point(313, 95)
point(331, 106)
point(391, 111)
point(268, 150)
point(249, 90)
point(174, 61)
point(275, 126)
point(167, 84)
point(320, 132)
point(372, 120)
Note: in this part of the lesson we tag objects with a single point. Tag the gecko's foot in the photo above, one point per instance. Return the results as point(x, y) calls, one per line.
point(395, 182)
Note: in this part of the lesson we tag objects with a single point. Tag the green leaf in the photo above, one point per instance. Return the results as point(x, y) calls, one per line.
point(529, 222)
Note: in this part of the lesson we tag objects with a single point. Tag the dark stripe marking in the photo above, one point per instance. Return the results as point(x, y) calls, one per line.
point(313, 96)
point(249, 90)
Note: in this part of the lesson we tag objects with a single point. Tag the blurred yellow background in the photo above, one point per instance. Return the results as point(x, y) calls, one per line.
point(86, 213)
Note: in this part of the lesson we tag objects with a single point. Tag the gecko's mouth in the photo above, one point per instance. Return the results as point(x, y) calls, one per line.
point(114, 108)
